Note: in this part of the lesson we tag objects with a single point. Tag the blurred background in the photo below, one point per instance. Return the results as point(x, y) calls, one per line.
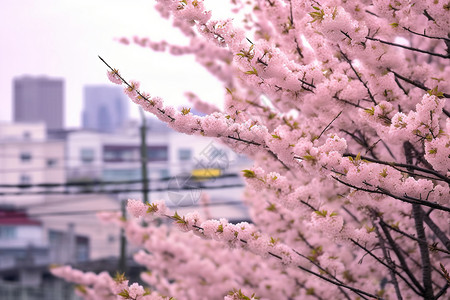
point(72, 145)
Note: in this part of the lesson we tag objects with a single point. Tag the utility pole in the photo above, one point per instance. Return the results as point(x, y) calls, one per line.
point(145, 192)
point(123, 241)
point(144, 175)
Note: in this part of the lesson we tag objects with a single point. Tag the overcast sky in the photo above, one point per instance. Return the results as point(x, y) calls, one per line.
point(62, 38)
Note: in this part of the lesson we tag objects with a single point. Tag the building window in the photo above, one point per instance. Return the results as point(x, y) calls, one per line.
point(120, 153)
point(184, 154)
point(157, 153)
point(82, 248)
point(8, 232)
point(51, 162)
point(25, 179)
point(111, 238)
point(87, 155)
point(121, 174)
point(25, 157)
point(164, 173)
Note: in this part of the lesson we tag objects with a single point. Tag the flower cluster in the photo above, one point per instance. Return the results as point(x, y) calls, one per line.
point(342, 105)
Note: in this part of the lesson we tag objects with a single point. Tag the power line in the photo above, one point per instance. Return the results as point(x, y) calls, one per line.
point(96, 182)
point(160, 163)
point(88, 212)
point(119, 191)
point(117, 166)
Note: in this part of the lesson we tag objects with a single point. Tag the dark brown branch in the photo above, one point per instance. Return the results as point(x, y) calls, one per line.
point(348, 102)
point(362, 141)
point(442, 291)
point(424, 253)
point(299, 51)
point(415, 83)
point(438, 175)
point(406, 199)
point(359, 77)
point(337, 282)
point(307, 83)
point(258, 144)
point(418, 213)
point(437, 231)
point(350, 214)
point(447, 113)
point(384, 264)
point(409, 48)
point(410, 236)
point(388, 149)
point(371, 13)
point(429, 17)
point(391, 264)
point(400, 86)
point(244, 141)
point(425, 35)
point(329, 124)
point(355, 290)
point(400, 257)
point(131, 87)
point(325, 271)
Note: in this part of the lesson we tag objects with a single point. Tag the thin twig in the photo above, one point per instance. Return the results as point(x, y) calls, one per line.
point(415, 83)
point(359, 77)
point(409, 48)
point(382, 191)
point(400, 257)
point(329, 124)
point(387, 163)
point(384, 264)
point(388, 259)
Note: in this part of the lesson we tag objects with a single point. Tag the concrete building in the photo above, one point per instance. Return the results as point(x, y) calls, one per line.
point(39, 99)
point(27, 158)
point(105, 108)
point(174, 160)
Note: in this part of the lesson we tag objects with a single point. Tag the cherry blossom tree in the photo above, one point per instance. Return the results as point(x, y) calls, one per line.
point(342, 107)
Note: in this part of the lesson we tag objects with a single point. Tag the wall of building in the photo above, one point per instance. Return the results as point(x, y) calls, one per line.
point(39, 99)
point(27, 157)
point(56, 216)
point(105, 108)
point(21, 236)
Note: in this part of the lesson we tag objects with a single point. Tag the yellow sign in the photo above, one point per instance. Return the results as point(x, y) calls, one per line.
point(206, 173)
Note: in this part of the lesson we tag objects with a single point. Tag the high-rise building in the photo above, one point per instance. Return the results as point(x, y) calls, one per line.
point(39, 99)
point(105, 108)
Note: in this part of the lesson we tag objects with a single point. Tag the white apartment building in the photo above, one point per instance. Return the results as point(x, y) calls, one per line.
point(172, 159)
point(27, 157)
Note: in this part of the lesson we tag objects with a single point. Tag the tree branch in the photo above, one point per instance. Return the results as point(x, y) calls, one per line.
point(387, 266)
point(413, 167)
point(359, 77)
point(415, 83)
point(406, 199)
point(387, 257)
point(409, 48)
point(400, 257)
point(437, 231)
point(417, 213)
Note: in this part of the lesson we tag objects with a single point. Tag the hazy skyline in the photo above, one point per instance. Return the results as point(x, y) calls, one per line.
point(61, 39)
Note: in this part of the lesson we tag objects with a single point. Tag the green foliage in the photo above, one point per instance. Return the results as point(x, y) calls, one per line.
point(317, 15)
point(240, 295)
point(179, 219)
point(249, 174)
point(152, 207)
point(185, 111)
